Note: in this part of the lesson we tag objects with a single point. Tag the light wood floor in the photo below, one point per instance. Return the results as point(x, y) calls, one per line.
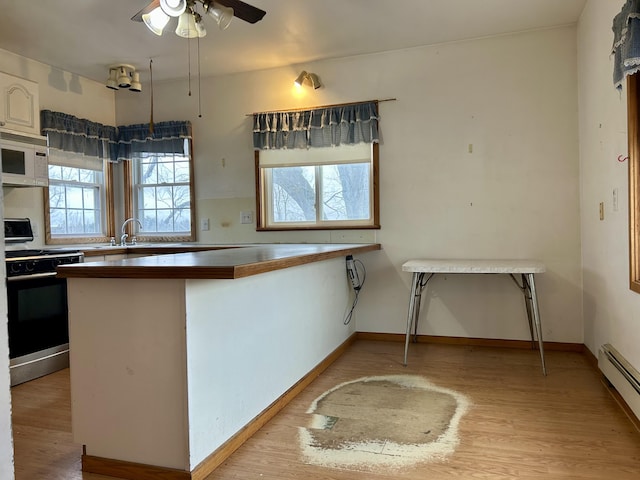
point(521, 425)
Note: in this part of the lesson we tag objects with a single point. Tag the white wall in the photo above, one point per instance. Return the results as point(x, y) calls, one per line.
point(513, 97)
point(59, 91)
point(611, 310)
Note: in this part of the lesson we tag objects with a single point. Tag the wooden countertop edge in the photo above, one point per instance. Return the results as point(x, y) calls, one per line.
point(150, 250)
point(278, 264)
point(222, 272)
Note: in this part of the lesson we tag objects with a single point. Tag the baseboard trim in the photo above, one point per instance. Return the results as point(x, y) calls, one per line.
point(624, 406)
point(138, 471)
point(130, 470)
point(474, 342)
point(591, 358)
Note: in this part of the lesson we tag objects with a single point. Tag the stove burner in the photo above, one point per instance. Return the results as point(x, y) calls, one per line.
point(21, 263)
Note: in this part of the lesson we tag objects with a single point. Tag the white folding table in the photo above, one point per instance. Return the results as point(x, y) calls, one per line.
point(428, 268)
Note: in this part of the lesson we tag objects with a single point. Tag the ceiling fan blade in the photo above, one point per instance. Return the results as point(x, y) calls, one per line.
point(153, 5)
point(244, 11)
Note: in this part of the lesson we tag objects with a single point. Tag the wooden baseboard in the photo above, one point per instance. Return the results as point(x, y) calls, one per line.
point(475, 342)
point(137, 471)
point(130, 470)
point(591, 358)
point(624, 406)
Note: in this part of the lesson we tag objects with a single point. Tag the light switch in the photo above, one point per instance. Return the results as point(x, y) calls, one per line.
point(204, 224)
point(246, 217)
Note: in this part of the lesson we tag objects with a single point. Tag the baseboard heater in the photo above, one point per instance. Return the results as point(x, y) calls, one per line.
point(622, 375)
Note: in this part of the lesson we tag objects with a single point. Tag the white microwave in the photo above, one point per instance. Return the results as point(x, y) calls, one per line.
point(25, 159)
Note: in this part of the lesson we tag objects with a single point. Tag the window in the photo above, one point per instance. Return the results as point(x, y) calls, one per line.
point(160, 189)
point(76, 199)
point(318, 188)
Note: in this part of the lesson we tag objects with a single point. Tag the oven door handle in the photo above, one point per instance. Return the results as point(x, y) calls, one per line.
point(33, 276)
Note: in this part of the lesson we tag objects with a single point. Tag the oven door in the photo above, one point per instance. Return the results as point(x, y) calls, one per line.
point(38, 326)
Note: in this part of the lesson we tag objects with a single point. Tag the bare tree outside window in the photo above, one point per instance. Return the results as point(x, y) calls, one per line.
point(74, 201)
point(163, 193)
point(318, 188)
point(341, 191)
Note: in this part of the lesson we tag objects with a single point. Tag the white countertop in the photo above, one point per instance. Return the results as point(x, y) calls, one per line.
point(473, 266)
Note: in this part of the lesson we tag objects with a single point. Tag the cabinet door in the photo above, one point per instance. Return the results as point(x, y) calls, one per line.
point(19, 104)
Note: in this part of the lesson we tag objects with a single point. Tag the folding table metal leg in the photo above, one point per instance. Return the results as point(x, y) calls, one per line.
point(527, 303)
point(416, 309)
point(536, 318)
point(411, 317)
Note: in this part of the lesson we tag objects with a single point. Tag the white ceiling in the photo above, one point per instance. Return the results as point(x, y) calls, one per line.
point(85, 36)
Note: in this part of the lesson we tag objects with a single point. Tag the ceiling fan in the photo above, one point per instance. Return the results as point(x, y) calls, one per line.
point(158, 13)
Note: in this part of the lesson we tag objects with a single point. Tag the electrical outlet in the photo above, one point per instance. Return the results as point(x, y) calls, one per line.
point(246, 217)
point(615, 199)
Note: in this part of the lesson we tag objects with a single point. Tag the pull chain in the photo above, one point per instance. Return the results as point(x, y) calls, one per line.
point(189, 63)
point(151, 85)
point(199, 83)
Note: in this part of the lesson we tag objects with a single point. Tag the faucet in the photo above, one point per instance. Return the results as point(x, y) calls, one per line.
point(123, 237)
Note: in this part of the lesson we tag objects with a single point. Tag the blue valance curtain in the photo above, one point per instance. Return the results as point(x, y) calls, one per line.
point(320, 127)
point(626, 42)
point(167, 137)
point(78, 135)
point(73, 134)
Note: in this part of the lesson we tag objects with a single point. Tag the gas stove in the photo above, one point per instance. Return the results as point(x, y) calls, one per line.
point(21, 261)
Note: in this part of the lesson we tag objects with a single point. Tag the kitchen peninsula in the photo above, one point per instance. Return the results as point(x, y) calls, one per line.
point(177, 358)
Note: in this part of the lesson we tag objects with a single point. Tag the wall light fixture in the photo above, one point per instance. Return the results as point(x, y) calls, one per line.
point(312, 78)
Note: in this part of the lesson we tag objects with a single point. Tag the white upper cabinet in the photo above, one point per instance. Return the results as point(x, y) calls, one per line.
point(19, 104)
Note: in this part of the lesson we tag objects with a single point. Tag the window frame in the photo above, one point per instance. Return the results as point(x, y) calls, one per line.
point(109, 216)
point(633, 130)
point(262, 208)
point(129, 193)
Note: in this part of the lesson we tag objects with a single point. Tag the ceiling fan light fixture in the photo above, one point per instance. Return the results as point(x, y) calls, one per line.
point(156, 20)
point(112, 81)
point(173, 8)
point(221, 14)
point(187, 26)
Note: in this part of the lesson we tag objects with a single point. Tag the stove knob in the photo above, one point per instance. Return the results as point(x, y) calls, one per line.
point(15, 267)
point(30, 266)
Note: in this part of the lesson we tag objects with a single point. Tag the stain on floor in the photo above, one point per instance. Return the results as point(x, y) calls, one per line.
point(373, 422)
